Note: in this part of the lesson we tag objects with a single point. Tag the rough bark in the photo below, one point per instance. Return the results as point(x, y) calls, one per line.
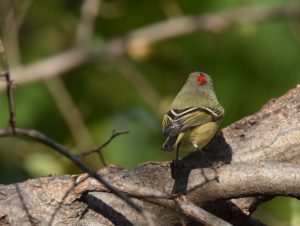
point(254, 159)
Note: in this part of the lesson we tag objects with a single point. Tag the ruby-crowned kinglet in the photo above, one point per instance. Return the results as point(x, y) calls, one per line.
point(194, 116)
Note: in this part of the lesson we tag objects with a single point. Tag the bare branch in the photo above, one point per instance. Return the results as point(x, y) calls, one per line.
point(4, 71)
point(258, 148)
point(247, 179)
point(38, 136)
point(209, 22)
point(198, 214)
point(235, 181)
point(100, 148)
point(177, 203)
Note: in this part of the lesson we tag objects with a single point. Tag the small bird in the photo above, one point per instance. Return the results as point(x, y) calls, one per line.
point(194, 116)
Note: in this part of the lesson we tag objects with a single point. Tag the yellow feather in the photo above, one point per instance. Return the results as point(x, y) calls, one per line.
point(166, 121)
point(199, 136)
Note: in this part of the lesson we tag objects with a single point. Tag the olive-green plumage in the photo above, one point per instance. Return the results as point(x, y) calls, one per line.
point(194, 115)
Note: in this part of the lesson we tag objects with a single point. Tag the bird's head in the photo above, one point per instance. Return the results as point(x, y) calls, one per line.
point(197, 91)
point(199, 79)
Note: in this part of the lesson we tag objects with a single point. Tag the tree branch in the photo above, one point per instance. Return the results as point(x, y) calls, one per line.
point(198, 214)
point(100, 148)
point(254, 147)
point(32, 134)
point(209, 22)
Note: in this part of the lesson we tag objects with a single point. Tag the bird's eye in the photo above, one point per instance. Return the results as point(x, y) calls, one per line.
point(201, 79)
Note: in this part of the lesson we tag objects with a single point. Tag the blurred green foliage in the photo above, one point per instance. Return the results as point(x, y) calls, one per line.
point(250, 65)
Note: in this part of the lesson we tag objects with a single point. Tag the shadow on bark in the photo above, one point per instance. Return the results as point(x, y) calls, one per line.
point(105, 210)
point(24, 206)
point(217, 152)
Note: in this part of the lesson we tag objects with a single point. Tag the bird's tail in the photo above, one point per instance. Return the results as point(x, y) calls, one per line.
point(172, 142)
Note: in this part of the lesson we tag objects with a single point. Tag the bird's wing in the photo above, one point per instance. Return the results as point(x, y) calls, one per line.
point(178, 120)
point(167, 121)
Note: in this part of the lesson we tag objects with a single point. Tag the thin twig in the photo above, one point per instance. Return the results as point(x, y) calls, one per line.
point(9, 89)
point(99, 149)
point(40, 137)
point(11, 104)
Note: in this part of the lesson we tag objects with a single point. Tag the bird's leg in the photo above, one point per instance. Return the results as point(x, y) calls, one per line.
point(175, 165)
point(176, 162)
point(177, 153)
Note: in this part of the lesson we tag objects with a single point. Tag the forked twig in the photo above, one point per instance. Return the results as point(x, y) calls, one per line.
point(100, 148)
